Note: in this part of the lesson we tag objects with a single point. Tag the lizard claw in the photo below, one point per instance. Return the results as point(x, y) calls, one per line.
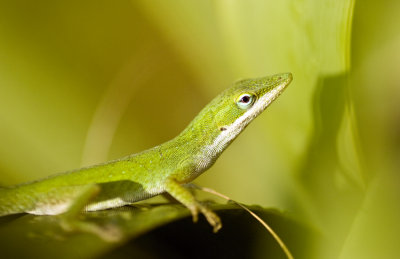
point(195, 212)
point(212, 218)
point(214, 221)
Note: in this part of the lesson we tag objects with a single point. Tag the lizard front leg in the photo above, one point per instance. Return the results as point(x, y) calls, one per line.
point(184, 196)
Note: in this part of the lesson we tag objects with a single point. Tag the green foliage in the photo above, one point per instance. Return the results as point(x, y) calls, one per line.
point(153, 232)
point(83, 82)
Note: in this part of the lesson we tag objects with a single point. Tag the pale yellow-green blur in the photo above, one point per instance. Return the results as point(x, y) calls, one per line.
point(83, 82)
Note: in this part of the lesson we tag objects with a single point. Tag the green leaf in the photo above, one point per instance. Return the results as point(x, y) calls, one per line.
point(155, 231)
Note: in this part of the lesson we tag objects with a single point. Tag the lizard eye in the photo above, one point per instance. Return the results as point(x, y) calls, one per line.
point(245, 101)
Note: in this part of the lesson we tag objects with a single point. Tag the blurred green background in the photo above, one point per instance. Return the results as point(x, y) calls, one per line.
point(83, 82)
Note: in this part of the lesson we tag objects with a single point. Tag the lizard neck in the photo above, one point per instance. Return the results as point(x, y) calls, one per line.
point(204, 140)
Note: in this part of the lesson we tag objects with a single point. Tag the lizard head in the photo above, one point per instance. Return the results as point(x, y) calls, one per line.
point(225, 117)
point(237, 106)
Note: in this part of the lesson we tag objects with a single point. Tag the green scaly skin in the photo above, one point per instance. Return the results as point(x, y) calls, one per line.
point(164, 168)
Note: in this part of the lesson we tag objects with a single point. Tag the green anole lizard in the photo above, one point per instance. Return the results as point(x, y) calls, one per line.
point(163, 169)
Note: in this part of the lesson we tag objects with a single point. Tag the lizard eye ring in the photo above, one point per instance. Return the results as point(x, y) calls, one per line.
point(245, 101)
